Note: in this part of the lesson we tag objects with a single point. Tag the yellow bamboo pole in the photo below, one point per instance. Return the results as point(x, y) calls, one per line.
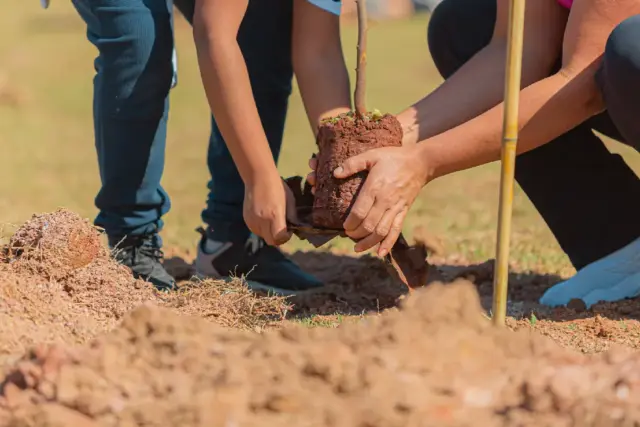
point(508, 157)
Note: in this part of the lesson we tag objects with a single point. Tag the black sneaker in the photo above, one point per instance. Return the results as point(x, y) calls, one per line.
point(264, 267)
point(143, 256)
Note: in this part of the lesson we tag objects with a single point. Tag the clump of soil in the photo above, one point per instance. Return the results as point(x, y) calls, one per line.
point(59, 284)
point(437, 361)
point(55, 244)
point(338, 139)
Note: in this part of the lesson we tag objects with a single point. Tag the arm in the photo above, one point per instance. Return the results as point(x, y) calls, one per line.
point(226, 83)
point(549, 107)
point(318, 62)
point(451, 104)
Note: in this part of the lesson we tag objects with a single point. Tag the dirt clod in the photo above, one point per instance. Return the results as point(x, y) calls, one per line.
point(436, 359)
point(338, 140)
point(55, 244)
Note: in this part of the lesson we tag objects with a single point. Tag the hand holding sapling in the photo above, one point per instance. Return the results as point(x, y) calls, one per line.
point(396, 176)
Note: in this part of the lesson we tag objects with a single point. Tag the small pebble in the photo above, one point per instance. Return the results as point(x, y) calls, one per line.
point(578, 305)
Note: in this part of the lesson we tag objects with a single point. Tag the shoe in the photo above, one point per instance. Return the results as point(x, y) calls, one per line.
point(142, 254)
point(612, 278)
point(265, 267)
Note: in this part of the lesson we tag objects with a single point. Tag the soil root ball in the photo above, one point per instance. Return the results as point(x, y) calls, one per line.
point(55, 243)
point(339, 139)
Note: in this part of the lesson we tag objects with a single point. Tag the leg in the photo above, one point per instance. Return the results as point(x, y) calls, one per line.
point(265, 40)
point(586, 231)
point(227, 247)
point(134, 72)
point(617, 275)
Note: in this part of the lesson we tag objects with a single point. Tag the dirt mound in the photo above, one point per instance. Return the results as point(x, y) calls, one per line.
point(59, 284)
point(436, 362)
point(55, 244)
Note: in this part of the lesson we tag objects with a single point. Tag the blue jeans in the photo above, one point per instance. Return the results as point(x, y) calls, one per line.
point(134, 74)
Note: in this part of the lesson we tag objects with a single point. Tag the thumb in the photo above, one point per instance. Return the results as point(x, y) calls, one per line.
point(291, 210)
point(356, 164)
point(279, 231)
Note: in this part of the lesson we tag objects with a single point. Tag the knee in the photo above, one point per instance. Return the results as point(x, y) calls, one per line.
point(440, 38)
point(622, 55)
point(457, 30)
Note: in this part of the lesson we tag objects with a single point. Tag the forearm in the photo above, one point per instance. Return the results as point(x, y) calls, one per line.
point(547, 109)
point(324, 86)
point(318, 62)
point(228, 89)
point(475, 88)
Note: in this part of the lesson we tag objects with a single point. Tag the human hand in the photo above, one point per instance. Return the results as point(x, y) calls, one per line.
point(396, 176)
point(267, 205)
point(311, 177)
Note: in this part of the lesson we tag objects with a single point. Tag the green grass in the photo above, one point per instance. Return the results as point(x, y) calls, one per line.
point(48, 158)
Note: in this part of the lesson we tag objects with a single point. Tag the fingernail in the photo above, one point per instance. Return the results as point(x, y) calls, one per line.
point(338, 170)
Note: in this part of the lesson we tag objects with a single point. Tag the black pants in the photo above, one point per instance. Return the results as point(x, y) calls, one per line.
point(589, 197)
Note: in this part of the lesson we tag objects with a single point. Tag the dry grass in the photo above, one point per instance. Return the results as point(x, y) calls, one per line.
point(229, 303)
point(56, 287)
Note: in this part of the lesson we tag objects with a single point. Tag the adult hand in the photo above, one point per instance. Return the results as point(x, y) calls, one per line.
point(311, 177)
point(267, 204)
point(396, 176)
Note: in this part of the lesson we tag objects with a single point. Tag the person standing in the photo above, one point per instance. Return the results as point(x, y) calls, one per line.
point(135, 69)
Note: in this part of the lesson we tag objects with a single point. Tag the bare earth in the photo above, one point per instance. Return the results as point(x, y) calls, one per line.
point(83, 344)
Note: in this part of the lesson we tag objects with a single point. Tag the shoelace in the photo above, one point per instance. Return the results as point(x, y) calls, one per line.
point(253, 244)
point(150, 251)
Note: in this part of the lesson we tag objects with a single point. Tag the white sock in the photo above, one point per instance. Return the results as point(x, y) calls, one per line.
point(599, 278)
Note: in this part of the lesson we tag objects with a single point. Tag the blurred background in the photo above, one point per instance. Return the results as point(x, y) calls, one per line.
point(46, 137)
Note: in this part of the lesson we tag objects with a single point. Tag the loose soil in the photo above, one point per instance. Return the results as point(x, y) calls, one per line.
point(59, 284)
point(338, 139)
point(84, 344)
point(435, 362)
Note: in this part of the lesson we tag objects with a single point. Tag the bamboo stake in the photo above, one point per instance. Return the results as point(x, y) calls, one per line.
point(508, 157)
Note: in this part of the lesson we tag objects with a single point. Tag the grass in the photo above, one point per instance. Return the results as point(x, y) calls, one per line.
point(49, 160)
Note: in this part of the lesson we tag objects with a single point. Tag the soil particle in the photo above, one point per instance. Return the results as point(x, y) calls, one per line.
point(338, 140)
point(435, 362)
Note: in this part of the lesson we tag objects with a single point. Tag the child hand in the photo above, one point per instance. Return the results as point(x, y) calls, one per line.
point(265, 209)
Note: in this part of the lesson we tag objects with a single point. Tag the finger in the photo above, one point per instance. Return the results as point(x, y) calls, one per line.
point(266, 234)
point(360, 209)
point(355, 164)
point(291, 209)
point(394, 233)
point(381, 231)
point(313, 162)
point(311, 179)
point(279, 231)
point(369, 224)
